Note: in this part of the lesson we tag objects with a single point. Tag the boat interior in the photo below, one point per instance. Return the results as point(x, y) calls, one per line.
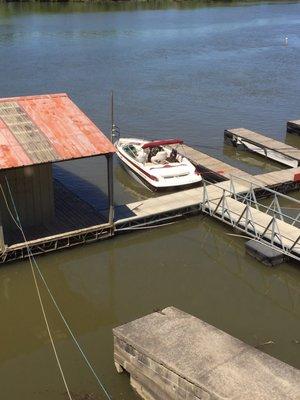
point(155, 155)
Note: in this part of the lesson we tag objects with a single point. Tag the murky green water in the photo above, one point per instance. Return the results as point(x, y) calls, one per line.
point(187, 71)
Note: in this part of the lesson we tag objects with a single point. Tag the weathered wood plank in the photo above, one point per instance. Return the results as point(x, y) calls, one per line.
point(207, 164)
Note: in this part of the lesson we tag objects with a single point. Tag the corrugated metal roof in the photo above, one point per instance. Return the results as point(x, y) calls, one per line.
point(46, 128)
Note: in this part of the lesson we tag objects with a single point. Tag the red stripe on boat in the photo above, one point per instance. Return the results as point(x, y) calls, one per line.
point(154, 178)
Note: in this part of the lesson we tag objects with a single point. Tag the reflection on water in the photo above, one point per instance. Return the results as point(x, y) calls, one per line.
point(253, 162)
point(130, 185)
point(99, 288)
point(178, 70)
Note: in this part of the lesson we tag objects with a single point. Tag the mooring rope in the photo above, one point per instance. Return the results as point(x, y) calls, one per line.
point(18, 223)
point(33, 261)
point(133, 228)
point(71, 333)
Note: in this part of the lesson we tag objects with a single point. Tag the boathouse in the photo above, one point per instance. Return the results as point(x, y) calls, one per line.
point(35, 133)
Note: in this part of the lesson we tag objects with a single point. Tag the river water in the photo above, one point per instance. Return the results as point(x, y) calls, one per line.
point(187, 70)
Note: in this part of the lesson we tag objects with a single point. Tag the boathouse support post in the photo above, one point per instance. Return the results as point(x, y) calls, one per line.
point(110, 186)
point(2, 243)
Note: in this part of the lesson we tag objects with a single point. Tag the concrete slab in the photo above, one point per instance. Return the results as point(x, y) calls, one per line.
point(172, 355)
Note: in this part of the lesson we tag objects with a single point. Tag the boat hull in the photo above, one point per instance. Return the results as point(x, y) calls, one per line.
point(147, 185)
point(136, 177)
point(143, 176)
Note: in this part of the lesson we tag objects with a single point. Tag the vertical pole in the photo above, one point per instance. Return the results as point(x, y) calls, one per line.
point(223, 205)
point(112, 117)
point(2, 243)
point(110, 186)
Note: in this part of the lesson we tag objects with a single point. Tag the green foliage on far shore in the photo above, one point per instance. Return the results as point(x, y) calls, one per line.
point(12, 7)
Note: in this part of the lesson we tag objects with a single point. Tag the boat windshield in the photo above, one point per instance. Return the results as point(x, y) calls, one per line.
point(130, 149)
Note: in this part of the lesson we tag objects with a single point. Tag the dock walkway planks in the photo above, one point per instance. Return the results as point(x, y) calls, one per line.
point(276, 178)
point(207, 164)
point(263, 141)
point(194, 199)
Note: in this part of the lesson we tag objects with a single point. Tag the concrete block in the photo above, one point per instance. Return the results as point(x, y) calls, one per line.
point(171, 355)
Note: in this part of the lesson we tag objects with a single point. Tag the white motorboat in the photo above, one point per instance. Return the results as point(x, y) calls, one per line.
point(157, 164)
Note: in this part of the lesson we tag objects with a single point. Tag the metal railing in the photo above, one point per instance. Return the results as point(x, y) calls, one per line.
point(266, 223)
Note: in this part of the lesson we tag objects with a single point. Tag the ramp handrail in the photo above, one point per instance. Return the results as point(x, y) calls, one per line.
point(271, 233)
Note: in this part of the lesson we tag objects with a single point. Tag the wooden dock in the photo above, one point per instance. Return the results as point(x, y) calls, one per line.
point(224, 202)
point(210, 167)
point(293, 127)
point(266, 146)
point(219, 171)
point(75, 222)
point(221, 197)
point(187, 201)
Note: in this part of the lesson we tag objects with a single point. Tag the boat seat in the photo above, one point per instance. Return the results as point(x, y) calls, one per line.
point(160, 157)
point(141, 157)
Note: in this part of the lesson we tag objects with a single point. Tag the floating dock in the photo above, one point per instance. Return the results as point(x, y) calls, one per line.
point(293, 127)
point(232, 199)
point(263, 145)
point(233, 202)
point(76, 222)
point(211, 168)
point(171, 355)
point(224, 200)
point(218, 171)
point(54, 218)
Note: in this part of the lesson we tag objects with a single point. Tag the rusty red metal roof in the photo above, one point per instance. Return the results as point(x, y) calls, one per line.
point(46, 128)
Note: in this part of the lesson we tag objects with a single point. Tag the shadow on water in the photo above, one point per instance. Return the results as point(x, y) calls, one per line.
point(84, 189)
point(293, 140)
point(93, 194)
point(254, 163)
point(95, 291)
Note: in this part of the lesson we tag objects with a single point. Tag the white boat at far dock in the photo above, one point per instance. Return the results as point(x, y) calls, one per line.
point(157, 165)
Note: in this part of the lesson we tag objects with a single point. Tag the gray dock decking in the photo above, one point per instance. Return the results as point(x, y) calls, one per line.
point(211, 200)
point(192, 197)
point(264, 142)
point(209, 165)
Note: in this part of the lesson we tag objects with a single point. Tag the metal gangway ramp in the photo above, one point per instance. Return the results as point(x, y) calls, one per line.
point(267, 222)
point(237, 202)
